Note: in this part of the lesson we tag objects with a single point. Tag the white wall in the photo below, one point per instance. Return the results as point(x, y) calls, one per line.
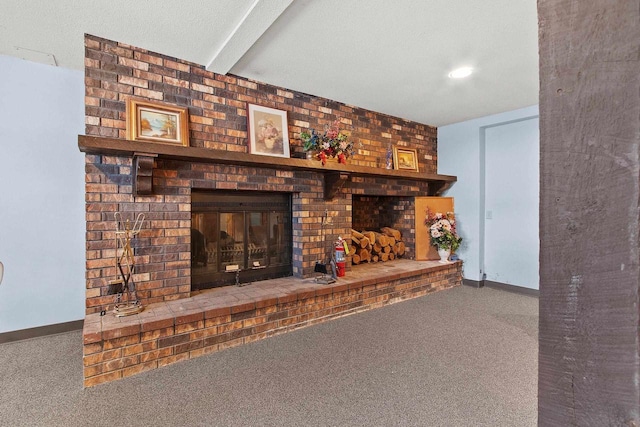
point(41, 195)
point(461, 153)
point(512, 203)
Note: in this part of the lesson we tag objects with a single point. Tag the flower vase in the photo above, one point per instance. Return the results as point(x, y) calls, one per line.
point(389, 158)
point(444, 255)
point(310, 155)
point(342, 158)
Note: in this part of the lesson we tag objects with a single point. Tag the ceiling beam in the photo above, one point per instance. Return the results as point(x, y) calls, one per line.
point(253, 24)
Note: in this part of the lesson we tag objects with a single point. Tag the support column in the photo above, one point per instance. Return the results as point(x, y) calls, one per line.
point(589, 212)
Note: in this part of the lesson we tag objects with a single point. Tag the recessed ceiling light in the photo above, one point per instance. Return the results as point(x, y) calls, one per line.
point(461, 73)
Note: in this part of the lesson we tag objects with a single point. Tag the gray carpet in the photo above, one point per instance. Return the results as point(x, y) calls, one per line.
point(458, 357)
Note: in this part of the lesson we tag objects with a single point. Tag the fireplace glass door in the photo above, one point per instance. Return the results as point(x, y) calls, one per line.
point(239, 237)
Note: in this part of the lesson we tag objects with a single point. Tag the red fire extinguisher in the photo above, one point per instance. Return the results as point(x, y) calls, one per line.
point(340, 257)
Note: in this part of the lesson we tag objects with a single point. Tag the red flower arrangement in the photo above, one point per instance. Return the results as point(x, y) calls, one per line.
point(332, 143)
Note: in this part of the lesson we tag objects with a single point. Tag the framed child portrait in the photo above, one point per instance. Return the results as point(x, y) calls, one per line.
point(268, 131)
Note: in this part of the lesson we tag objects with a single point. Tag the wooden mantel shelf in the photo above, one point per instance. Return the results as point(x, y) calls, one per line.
point(336, 174)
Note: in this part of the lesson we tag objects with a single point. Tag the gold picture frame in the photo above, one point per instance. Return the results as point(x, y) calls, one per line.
point(405, 159)
point(268, 131)
point(154, 121)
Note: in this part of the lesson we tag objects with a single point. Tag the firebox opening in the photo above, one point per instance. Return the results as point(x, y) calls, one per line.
point(375, 212)
point(244, 232)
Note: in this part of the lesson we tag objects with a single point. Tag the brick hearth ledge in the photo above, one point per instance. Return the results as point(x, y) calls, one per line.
point(216, 319)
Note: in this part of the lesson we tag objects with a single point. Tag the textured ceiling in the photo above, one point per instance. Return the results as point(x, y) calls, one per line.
point(390, 57)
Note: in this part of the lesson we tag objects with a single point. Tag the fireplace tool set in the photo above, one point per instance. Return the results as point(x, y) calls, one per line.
point(325, 268)
point(127, 302)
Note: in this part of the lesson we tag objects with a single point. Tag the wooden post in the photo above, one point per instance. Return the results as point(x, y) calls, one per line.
point(589, 213)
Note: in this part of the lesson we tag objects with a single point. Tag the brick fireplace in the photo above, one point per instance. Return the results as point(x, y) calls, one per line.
point(160, 181)
point(163, 247)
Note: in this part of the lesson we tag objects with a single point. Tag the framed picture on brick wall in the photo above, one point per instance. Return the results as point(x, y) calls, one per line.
point(157, 122)
point(268, 131)
point(405, 159)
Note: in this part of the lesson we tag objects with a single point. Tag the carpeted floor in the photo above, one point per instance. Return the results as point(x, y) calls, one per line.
point(458, 357)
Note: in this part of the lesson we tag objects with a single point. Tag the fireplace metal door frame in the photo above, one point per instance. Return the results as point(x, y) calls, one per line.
point(223, 253)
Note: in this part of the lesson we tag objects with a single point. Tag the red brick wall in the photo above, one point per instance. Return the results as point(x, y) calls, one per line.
point(217, 120)
point(217, 105)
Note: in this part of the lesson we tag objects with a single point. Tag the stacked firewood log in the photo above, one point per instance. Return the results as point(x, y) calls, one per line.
point(373, 246)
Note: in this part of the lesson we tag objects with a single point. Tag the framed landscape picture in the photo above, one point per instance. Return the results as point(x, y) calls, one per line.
point(157, 122)
point(405, 159)
point(268, 131)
